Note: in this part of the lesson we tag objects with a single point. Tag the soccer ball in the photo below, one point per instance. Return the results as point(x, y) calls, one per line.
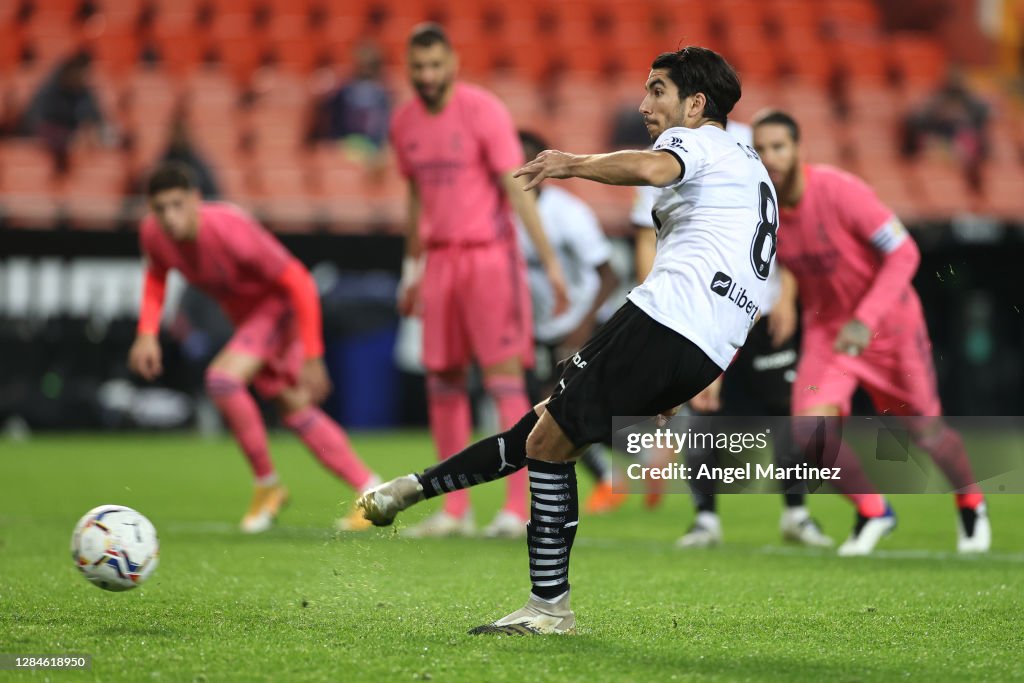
point(115, 547)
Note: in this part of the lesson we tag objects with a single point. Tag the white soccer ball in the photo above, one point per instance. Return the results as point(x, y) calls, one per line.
point(115, 547)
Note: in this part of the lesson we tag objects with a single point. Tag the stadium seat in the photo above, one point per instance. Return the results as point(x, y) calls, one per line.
point(28, 187)
point(918, 61)
point(93, 193)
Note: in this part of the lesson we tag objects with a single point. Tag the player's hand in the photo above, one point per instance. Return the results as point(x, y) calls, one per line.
point(710, 399)
point(409, 286)
point(662, 418)
point(853, 338)
point(575, 340)
point(558, 287)
point(408, 298)
point(548, 164)
point(145, 358)
point(315, 380)
point(781, 323)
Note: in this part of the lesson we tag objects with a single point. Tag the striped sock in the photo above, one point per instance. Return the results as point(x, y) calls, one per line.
point(486, 460)
point(554, 514)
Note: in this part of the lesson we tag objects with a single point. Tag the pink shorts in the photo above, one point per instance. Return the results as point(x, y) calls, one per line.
point(475, 306)
point(269, 333)
point(896, 371)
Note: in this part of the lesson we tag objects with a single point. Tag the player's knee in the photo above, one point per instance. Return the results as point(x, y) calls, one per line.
point(446, 383)
point(219, 382)
point(291, 401)
point(547, 442)
point(926, 432)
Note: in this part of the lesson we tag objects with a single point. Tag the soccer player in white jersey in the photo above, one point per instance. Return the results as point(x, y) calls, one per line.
point(585, 253)
point(676, 333)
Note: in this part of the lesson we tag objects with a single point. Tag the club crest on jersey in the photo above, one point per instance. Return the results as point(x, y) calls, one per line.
point(723, 285)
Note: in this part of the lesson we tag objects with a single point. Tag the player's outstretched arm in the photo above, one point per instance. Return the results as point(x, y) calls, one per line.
point(628, 167)
point(145, 358)
point(525, 205)
point(305, 301)
point(412, 262)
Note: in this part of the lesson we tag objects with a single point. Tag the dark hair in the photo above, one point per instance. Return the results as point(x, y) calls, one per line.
point(698, 69)
point(429, 33)
point(171, 175)
point(532, 143)
point(767, 117)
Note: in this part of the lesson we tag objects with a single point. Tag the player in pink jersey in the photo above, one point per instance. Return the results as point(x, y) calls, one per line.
point(862, 326)
point(277, 347)
point(463, 271)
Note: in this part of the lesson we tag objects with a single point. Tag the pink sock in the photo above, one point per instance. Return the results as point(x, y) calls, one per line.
point(240, 411)
point(509, 395)
point(450, 425)
point(328, 442)
point(947, 450)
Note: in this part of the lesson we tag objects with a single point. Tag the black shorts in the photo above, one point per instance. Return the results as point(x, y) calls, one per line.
point(631, 366)
point(760, 380)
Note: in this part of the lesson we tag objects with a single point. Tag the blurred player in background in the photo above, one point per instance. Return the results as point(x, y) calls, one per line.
point(277, 346)
point(575, 235)
point(862, 326)
point(669, 341)
point(462, 271)
point(757, 383)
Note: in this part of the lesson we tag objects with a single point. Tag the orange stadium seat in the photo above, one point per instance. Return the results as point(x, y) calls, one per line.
point(919, 61)
point(808, 62)
point(863, 61)
point(94, 191)
point(28, 186)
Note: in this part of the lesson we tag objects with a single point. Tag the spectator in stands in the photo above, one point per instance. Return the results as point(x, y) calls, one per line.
point(358, 111)
point(181, 150)
point(955, 117)
point(63, 108)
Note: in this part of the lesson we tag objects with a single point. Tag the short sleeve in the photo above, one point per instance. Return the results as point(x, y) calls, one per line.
point(498, 138)
point(682, 144)
point(643, 204)
point(864, 214)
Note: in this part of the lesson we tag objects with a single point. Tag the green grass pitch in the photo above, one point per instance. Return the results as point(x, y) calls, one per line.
point(303, 603)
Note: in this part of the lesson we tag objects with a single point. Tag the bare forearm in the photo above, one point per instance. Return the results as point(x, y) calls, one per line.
point(413, 247)
point(627, 167)
point(525, 206)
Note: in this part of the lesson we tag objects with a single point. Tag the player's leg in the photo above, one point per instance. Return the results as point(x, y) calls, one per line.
point(608, 377)
point(323, 437)
point(446, 356)
point(554, 514)
point(227, 380)
point(906, 387)
point(817, 431)
point(822, 394)
point(796, 523)
point(496, 314)
point(486, 460)
point(706, 529)
point(505, 383)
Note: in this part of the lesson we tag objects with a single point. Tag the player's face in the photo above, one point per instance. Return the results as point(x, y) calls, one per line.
point(778, 151)
point(177, 212)
point(432, 71)
point(662, 109)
